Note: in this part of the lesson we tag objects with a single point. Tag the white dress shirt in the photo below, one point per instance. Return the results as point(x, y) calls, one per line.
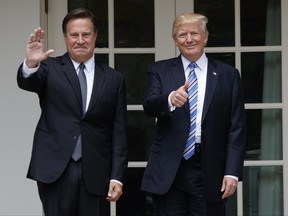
point(201, 73)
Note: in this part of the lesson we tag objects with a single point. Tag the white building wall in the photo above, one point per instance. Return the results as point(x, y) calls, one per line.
point(18, 110)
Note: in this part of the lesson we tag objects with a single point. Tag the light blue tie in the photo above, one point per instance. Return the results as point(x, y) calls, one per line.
point(192, 95)
point(77, 154)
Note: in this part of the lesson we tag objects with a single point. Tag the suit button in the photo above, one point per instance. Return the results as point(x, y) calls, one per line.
point(75, 137)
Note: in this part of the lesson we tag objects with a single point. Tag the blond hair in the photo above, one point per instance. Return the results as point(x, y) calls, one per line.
point(187, 18)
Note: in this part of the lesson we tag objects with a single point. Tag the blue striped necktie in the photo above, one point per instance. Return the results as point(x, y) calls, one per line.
point(192, 95)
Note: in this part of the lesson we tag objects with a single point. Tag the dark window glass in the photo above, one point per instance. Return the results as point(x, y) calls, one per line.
point(228, 58)
point(134, 202)
point(260, 22)
point(102, 58)
point(221, 21)
point(263, 191)
point(261, 76)
point(264, 134)
point(140, 135)
point(134, 67)
point(100, 10)
point(134, 23)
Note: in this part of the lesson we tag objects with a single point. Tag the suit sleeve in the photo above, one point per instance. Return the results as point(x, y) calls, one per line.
point(237, 132)
point(155, 100)
point(119, 163)
point(35, 82)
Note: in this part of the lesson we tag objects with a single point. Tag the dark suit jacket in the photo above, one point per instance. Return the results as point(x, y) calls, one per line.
point(102, 128)
point(223, 126)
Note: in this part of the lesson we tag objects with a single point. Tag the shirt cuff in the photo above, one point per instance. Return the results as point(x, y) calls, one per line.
point(171, 107)
point(26, 71)
point(234, 177)
point(114, 180)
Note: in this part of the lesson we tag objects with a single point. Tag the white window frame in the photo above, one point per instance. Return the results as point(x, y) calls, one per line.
point(165, 12)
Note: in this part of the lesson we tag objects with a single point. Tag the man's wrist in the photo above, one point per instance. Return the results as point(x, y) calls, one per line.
point(31, 65)
point(114, 180)
point(171, 106)
point(26, 71)
point(234, 177)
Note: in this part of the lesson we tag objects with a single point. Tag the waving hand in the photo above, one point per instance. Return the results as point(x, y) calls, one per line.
point(35, 49)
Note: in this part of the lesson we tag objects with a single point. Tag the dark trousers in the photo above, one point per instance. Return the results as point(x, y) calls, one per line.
point(186, 195)
point(68, 196)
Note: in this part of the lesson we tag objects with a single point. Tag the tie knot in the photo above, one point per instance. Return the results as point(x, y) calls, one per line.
point(82, 66)
point(192, 65)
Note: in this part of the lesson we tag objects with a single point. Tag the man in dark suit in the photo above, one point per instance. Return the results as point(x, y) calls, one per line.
point(196, 185)
point(79, 152)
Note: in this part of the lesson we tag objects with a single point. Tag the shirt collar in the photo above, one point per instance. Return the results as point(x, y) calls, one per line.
point(201, 62)
point(88, 64)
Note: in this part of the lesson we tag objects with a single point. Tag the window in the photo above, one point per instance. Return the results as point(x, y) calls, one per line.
point(250, 36)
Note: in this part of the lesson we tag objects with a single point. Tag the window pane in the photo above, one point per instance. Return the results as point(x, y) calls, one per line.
point(134, 67)
point(140, 132)
point(260, 22)
point(221, 19)
point(264, 134)
point(134, 23)
point(134, 202)
point(103, 59)
point(261, 76)
point(263, 191)
point(100, 10)
point(228, 58)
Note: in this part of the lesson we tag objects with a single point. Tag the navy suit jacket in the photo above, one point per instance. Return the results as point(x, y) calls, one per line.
point(102, 128)
point(223, 126)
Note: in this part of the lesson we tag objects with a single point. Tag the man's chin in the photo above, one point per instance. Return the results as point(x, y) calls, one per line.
point(79, 57)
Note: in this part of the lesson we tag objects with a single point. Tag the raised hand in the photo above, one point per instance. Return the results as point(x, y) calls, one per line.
point(180, 96)
point(35, 49)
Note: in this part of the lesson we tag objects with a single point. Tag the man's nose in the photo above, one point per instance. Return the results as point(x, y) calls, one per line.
point(189, 37)
point(80, 39)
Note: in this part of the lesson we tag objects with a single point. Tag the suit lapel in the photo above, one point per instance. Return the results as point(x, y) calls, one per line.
point(178, 75)
point(69, 70)
point(99, 80)
point(211, 83)
point(178, 72)
point(99, 77)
